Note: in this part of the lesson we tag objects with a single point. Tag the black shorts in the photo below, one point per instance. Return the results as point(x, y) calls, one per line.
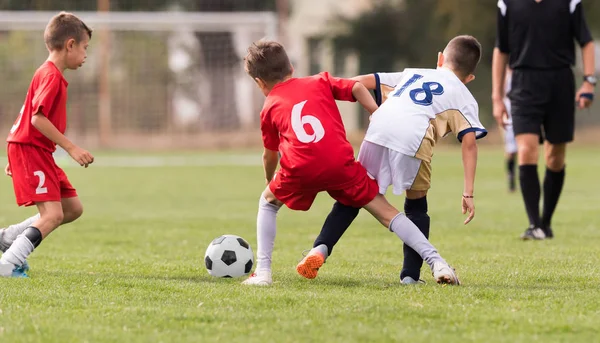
point(543, 103)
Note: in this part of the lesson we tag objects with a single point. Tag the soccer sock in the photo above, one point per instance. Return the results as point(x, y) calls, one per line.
point(266, 229)
point(8, 235)
point(408, 232)
point(22, 247)
point(553, 184)
point(338, 220)
point(530, 189)
point(510, 165)
point(416, 211)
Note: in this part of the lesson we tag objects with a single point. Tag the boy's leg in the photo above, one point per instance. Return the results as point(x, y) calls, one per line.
point(72, 209)
point(266, 230)
point(8, 235)
point(337, 222)
point(51, 216)
point(510, 171)
point(510, 150)
point(415, 209)
point(408, 232)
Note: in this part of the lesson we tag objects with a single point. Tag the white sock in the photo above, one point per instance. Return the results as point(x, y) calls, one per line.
point(266, 229)
point(322, 248)
point(18, 251)
point(410, 234)
point(8, 235)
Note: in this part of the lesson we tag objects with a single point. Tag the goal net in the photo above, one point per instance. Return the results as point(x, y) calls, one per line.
point(151, 80)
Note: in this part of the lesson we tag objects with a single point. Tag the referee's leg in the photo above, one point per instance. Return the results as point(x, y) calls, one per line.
point(553, 182)
point(528, 153)
point(559, 128)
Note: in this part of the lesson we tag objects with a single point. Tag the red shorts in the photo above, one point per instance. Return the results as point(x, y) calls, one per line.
point(35, 175)
point(357, 191)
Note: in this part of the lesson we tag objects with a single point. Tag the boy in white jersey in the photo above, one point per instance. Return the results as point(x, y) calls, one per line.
point(418, 106)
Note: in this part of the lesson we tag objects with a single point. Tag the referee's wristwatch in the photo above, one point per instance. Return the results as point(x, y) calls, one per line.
point(590, 79)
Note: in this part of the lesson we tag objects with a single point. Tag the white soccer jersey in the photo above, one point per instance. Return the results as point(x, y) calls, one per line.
point(419, 106)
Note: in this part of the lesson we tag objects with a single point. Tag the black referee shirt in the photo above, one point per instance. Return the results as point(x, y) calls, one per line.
point(540, 35)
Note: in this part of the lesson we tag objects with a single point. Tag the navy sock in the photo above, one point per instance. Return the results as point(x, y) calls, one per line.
point(416, 211)
point(510, 166)
point(338, 220)
point(530, 189)
point(553, 184)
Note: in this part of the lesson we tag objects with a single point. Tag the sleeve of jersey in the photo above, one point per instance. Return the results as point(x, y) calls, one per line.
point(384, 84)
point(341, 88)
point(502, 27)
point(270, 135)
point(578, 24)
point(466, 121)
point(45, 95)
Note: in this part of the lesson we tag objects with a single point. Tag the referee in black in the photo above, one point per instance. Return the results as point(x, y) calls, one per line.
point(537, 39)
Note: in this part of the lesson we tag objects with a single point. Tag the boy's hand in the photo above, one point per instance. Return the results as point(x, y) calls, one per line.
point(468, 206)
point(81, 156)
point(7, 170)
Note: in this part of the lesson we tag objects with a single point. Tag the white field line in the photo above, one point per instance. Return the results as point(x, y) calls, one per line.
point(162, 161)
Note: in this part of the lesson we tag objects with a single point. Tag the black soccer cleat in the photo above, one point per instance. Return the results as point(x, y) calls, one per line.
point(533, 233)
point(548, 232)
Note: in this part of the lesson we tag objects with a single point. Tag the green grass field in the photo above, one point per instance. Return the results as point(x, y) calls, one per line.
point(131, 269)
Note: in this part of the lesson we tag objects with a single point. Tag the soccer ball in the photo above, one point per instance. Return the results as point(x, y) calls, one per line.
point(229, 256)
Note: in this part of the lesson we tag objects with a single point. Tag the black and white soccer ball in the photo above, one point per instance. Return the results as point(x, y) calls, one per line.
point(229, 256)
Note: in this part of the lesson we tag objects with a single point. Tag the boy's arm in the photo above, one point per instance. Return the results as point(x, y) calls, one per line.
point(362, 95)
point(469, 157)
point(368, 80)
point(43, 125)
point(270, 160)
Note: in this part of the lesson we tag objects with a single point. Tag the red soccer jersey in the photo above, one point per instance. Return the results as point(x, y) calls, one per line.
point(301, 120)
point(47, 94)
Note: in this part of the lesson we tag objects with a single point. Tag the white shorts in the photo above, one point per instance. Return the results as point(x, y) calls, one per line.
point(510, 144)
point(392, 168)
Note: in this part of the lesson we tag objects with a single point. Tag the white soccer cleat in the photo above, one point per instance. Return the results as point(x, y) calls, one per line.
point(444, 274)
point(410, 281)
point(259, 278)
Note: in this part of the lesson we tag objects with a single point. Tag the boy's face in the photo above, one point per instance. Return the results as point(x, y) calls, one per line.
point(76, 52)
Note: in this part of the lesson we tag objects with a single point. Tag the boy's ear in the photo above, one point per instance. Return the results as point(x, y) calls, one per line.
point(440, 60)
point(469, 78)
point(262, 84)
point(69, 44)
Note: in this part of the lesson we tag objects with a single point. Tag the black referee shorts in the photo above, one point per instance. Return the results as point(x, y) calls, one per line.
point(543, 103)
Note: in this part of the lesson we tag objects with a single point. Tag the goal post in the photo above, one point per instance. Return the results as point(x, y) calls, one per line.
point(176, 78)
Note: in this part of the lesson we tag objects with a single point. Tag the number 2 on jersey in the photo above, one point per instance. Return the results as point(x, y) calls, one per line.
point(298, 122)
point(426, 89)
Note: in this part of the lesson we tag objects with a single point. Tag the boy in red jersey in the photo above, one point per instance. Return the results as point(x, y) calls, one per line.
point(300, 121)
point(34, 136)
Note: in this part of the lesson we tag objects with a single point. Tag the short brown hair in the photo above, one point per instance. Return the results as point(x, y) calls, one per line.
point(463, 53)
point(62, 27)
point(268, 61)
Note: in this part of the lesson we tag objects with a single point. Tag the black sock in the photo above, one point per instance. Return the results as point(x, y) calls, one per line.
point(338, 220)
point(416, 211)
point(510, 166)
point(553, 184)
point(530, 188)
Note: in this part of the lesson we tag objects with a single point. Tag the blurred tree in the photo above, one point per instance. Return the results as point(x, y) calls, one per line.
point(394, 34)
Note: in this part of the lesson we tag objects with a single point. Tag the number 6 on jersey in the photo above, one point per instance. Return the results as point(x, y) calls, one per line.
point(298, 122)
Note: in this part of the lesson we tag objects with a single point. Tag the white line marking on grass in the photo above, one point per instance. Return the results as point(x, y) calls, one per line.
point(162, 161)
